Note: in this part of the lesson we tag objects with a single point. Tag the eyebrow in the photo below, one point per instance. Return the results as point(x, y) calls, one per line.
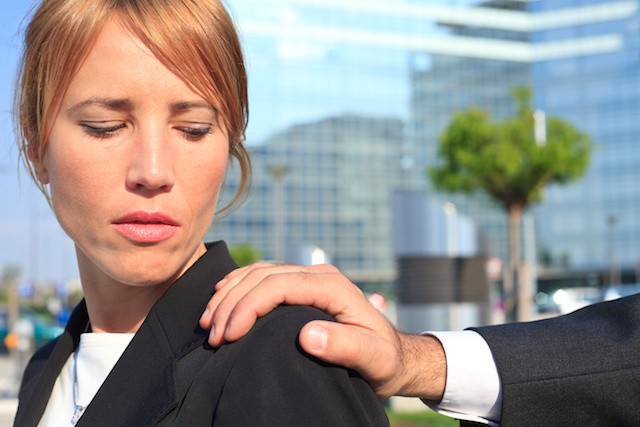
point(181, 107)
point(124, 105)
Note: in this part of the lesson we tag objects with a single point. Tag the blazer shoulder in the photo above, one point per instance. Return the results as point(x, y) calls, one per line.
point(286, 386)
point(287, 316)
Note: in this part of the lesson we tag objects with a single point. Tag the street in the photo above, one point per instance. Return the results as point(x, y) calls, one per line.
point(9, 383)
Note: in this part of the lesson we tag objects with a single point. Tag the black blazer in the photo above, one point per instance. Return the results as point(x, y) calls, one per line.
point(581, 369)
point(168, 375)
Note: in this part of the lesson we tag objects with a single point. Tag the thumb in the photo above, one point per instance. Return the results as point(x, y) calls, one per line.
point(340, 344)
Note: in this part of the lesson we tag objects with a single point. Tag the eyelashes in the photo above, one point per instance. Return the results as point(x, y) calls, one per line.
point(195, 133)
point(190, 133)
point(102, 131)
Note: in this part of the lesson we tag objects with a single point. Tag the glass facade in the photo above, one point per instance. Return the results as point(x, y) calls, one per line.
point(324, 184)
point(595, 223)
point(582, 59)
point(329, 100)
point(350, 97)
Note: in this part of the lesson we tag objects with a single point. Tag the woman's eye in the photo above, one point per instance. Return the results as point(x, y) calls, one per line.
point(195, 133)
point(102, 131)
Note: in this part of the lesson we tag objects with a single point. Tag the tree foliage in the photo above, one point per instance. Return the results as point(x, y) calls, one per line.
point(503, 159)
point(244, 254)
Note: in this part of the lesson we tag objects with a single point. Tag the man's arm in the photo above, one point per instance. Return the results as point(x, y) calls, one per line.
point(393, 363)
point(582, 368)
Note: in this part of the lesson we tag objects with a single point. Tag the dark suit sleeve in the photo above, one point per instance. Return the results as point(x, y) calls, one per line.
point(274, 383)
point(580, 369)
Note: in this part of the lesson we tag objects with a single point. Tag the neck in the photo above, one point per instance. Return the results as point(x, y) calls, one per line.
point(123, 311)
point(114, 306)
point(120, 295)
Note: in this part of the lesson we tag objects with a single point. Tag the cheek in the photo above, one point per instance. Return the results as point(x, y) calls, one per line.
point(202, 183)
point(210, 178)
point(69, 176)
point(76, 185)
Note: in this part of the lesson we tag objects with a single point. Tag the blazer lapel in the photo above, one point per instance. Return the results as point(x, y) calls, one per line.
point(141, 389)
point(35, 392)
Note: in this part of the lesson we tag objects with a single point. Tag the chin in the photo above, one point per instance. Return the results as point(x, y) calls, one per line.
point(135, 266)
point(133, 271)
point(143, 277)
point(146, 282)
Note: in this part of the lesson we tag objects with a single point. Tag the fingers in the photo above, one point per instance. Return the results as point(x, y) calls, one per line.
point(373, 356)
point(229, 282)
point(222, 290)
point(239, 273)
point(234, 297)
point(312, 286)
point(228, 292)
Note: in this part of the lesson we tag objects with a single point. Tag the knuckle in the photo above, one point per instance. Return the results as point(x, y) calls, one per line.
point(330, 268)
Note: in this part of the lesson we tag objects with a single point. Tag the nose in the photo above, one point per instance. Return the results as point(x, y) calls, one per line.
point(151, 163)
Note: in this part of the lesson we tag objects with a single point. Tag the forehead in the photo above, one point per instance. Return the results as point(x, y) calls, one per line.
point(120, 65)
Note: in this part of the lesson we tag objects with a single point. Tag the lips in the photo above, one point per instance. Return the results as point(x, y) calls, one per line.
point(146, 227)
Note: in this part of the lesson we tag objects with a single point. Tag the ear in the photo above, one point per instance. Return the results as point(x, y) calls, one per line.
point(38, 164)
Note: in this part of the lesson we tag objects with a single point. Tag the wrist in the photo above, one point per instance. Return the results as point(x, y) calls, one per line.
point(424, 367)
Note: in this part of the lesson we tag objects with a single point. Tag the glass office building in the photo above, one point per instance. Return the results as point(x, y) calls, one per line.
point(582, 59)
point(596, 222)
point(329, 100)
point(358, 91)
point(324, 185)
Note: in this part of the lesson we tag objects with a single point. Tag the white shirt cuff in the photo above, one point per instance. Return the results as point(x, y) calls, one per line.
point(473, 391)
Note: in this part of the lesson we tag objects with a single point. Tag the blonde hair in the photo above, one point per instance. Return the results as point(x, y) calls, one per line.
point(196, 40)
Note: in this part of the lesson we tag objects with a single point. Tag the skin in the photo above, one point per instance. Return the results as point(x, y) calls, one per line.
point(132, 138)
point(393, 363)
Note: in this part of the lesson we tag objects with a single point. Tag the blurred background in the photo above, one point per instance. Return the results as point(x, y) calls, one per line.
point(349, 103)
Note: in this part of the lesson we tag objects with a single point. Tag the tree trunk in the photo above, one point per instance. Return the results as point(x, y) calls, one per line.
point(513, 276)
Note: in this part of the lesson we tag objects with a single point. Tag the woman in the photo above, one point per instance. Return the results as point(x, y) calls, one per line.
point(128, 112)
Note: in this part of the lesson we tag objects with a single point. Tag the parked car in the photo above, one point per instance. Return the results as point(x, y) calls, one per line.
point(43, 330)
point(3, 330)
point(571, 299)
point(621, 290)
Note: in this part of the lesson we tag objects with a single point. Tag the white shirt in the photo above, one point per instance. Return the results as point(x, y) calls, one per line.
point(94, 358)
point(473, 391)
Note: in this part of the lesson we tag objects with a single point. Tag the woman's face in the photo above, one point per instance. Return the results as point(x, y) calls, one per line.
point(135, 161)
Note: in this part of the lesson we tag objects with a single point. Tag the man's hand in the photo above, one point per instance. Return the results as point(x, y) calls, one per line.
point(393, 363)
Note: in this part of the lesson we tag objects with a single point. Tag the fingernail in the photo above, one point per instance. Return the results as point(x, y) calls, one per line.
point(212, 332)
point(317, 338)
point(226, 331)
point(221, 283)
point(378, 302)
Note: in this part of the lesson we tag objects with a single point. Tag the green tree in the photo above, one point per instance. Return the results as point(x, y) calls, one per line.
point(245, 254)
point(506, 161)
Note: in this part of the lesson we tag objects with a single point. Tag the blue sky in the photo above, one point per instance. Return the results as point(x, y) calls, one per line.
point(278, 69)
point(29, 234)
